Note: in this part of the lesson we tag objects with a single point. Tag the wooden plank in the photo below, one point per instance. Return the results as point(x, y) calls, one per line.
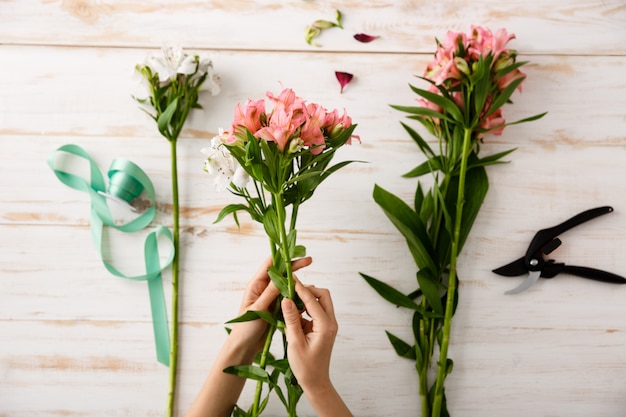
point(543, 27)
point(59, 101)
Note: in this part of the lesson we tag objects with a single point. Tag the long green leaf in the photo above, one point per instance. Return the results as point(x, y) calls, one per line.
point(402, 348)
point(410, 226)
point(232, 209)
point(390, 294)
point(527, 119)
point(490, 159)
point(417, 138)
point(165, 118)
point(504, 96)
point(423, 111)
point(249, 371)
point(445, 103)
point(431, 165)
point(430, 288)
point(252, 315)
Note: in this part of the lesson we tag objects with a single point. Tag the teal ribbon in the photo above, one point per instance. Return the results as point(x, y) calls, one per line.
point(126, 182)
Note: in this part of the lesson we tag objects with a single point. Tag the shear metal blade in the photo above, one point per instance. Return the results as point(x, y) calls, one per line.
point(533, 276)
point(514, 269)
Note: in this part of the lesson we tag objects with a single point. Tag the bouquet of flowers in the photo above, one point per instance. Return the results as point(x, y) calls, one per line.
point(471, 77)
point(275, 160)
point(173, 81)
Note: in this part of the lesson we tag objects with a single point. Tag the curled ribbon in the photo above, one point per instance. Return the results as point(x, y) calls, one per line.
point(126, 182)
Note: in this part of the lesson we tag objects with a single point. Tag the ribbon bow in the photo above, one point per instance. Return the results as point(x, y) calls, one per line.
point(126, 182)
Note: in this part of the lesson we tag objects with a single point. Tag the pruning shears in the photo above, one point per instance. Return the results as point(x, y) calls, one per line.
point(534, 264)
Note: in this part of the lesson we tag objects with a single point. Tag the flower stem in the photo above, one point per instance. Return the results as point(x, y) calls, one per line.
point(254, 412)
point(174, 347)
point(442, 369)
point(281, 214)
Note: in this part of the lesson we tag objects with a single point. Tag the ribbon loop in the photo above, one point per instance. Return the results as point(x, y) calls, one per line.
point(126, 182)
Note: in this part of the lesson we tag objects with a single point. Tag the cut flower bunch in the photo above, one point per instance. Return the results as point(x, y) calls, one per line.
point(471, 77)
point(275, 160)
point(172, 81)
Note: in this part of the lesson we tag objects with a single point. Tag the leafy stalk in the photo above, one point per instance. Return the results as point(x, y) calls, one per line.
point(463, 103)
point(443, 366)
point(173, 92)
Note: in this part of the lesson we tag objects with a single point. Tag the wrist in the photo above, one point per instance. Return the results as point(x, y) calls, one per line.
point(318, 390)
point(239, 348)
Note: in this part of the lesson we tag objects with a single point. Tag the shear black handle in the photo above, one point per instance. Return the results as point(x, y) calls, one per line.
point(550, 270)
point(545, 236)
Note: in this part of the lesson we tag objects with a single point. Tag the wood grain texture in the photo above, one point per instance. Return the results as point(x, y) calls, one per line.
point(563, 27)
point(77, 341)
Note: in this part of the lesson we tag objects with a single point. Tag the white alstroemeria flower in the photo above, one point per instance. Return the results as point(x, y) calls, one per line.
point(170, 62)
point(221, 166)
point(212, 83)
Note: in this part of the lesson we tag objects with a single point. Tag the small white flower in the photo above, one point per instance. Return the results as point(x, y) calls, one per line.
point(221, 166)
point(212, 83)
point(170, 62)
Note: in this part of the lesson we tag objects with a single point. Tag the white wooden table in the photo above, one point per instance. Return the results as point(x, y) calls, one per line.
point(76, 341)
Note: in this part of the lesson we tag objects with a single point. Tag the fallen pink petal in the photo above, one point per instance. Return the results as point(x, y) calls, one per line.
point(362, 37)
point(344, 78)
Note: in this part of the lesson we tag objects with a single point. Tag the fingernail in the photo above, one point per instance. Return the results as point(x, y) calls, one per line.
point(287, 305)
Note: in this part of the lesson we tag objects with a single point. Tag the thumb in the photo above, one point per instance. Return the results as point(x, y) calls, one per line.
point(293, 328)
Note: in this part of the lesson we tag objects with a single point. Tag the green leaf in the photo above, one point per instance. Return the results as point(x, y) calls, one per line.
point(291, 243)
point(510, 68)
point(528, 119)
point(429, 284)
point(249, 371)
point(279, 280)
point(445, 103)
point(299, 252)
point(270, 223)
point(390, 294)
point(423, 111)
point(238, 412)
point(231, 209)
point(419, 197)
point(490, 159)
point(431, 165)
point(504, 96)
point(165, 118)
point(409, 225)
point(417, 138)
point(402, 348)
point(252, 315)
point(476, 187)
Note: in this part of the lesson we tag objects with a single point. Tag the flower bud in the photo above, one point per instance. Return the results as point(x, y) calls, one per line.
point(295, 145)
point(461, 65)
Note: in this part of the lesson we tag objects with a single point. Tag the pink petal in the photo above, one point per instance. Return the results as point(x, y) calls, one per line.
point(362, 37)
point(344, 78)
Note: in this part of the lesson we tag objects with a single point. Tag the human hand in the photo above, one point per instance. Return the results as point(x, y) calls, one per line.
point(259, 294)
point(310, 342)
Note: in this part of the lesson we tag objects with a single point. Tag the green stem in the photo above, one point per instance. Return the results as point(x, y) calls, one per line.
point(175, 262)
point(442, 370)
point(254, 411)
point(425, 350)
point(281, 214)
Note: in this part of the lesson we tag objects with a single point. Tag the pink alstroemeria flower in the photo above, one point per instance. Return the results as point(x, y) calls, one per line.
point(248, 117)
point(312, 134)
point(279, 130)
point(494, 124)
point(334, 123)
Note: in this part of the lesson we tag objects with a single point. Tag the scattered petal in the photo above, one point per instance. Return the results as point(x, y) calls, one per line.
point(344, 78)
point(315, 29)
point(362, 37)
